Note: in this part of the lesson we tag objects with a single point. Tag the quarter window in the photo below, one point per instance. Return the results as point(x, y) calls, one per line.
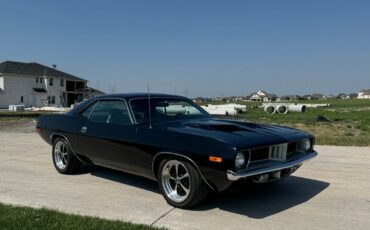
point(108, 111)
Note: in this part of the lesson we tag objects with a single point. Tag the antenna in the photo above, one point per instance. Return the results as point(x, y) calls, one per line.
point(150, 112)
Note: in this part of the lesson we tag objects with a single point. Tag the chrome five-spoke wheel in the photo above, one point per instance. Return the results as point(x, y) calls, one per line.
point(64, 159)
point(181, 183)
point(60, 155)
point(175, 181)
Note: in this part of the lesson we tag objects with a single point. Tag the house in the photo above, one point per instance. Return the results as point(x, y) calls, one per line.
point(353, 95)
point(33, 84)
point(262, 96)
point(329, 96)
point(92, 92)
point(364, 94)
point(290, 98)
point(316, 96)
point(343, 96)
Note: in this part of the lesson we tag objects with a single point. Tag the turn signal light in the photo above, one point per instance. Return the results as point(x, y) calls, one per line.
point(215, 159)
point(38, 130)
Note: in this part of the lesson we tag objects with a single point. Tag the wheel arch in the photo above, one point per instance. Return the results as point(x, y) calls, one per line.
point(163, 155)
point(54, 136)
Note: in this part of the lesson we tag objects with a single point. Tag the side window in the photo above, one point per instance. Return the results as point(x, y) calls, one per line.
point(108, 111)
point(86, 113)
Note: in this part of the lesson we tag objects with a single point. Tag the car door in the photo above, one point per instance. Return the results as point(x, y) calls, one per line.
point(108, 134)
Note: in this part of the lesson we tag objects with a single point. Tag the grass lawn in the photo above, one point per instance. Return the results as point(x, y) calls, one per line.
point(11, 117)
point(12, 217)
point(14, 119)
point(350, 124)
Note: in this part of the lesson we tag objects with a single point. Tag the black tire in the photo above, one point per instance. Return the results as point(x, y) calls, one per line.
point(69, 162)
point(198, 189)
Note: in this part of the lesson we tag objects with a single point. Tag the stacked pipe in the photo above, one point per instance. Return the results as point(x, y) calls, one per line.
point(227, 109)
point(273, 108)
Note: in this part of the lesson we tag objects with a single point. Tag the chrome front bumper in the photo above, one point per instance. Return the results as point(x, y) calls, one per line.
point(233, 176)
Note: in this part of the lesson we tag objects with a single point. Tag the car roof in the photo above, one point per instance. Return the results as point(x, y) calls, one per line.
point(129, 96)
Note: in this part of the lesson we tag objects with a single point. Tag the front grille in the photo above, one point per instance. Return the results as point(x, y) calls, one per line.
point(278, 152)
point(292, 147)
point(275, 152)
point(260, 154)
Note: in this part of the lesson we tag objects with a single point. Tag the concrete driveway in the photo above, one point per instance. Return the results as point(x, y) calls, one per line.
point(330, 192)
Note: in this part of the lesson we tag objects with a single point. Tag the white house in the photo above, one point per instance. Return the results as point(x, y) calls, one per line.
point(262, 96)
point(33, 84)
point(364, 94)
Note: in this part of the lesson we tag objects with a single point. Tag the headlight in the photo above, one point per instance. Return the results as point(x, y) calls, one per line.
point(305, 145)
point(240, 160)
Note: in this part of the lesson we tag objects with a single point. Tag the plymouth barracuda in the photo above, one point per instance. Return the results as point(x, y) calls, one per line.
point(173, 141)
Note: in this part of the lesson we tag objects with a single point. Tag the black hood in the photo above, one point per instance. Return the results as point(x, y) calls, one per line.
point(238, 134)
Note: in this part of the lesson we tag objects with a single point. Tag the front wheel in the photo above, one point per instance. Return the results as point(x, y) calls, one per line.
point(180, 183)
point(64, 160)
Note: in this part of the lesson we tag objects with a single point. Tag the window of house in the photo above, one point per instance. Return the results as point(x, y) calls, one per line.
point(52, 99)
point(51, 81)
point(108, 111)
point(37, 80)
point(21, 99)
point(62, 82)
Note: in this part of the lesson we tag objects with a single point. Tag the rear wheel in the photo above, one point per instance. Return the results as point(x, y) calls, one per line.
point(180, 183)
point(64, 160)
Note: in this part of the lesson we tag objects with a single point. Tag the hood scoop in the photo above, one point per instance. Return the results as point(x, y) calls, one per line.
point(218, 127)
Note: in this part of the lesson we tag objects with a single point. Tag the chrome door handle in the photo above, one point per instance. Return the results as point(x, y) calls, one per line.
point(83, 129)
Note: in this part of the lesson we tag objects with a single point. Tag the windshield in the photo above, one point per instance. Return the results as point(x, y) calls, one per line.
point(165, 109)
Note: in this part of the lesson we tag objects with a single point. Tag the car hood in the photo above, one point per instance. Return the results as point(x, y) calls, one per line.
point(238, 134)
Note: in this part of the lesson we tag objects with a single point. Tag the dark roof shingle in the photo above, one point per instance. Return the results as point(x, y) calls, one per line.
point(34, 69)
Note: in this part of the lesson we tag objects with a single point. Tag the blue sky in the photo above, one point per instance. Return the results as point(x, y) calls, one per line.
point(198, 48)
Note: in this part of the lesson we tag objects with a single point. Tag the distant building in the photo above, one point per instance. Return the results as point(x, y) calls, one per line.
point(92, 92)
point(364, 94)
point(343, 96)
point(33, 84)
point(262, 96)
point(316, 96)
point(330, 96)
point(352, 95)
point(290, 98)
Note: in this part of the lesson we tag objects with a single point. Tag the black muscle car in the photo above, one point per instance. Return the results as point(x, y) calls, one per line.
point(172, 140)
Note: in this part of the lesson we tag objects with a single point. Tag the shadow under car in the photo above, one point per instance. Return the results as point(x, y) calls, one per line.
point(252, 200)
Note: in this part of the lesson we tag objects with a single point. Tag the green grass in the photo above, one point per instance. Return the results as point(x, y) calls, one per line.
point(12, 217)
point(14, 119)
point(5, 113)
point(350, 124)
point(11, 117)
